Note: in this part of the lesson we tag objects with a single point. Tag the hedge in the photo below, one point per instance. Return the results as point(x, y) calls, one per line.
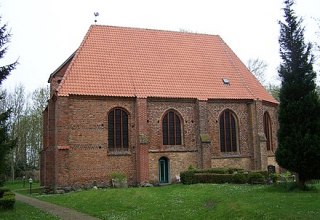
point(221, 170)
point(187, 177)
point(240, 178)
point(3, 190)
point(213, 178)
point(256, 178)
point(192, 177)
point(7, 199)
point(223, 175)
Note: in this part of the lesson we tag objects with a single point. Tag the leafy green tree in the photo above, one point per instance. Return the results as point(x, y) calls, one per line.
point(19, 127)
point(39, 100)
point(25, 127)
point(299, 118)
point(274, 90)
point(5, 143)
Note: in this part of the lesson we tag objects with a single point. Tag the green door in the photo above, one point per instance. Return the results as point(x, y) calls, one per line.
point(163, 170)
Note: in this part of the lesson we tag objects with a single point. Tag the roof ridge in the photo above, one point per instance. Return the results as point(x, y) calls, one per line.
point(154, 29)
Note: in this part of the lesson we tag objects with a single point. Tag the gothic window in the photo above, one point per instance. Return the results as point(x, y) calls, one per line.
point(267, 130)
point(118, 137)
point(171, 129)
point(228, 132)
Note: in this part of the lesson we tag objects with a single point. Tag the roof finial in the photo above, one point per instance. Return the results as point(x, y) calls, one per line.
point(96, 14)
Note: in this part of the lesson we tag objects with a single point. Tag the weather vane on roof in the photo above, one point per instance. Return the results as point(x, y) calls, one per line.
point(96, 14)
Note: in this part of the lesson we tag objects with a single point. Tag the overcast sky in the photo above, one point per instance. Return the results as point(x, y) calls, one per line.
point(46, 32)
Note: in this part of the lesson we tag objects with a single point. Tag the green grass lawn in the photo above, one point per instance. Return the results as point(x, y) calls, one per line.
point(201, 201)
point(19, 187)
point(22, 210)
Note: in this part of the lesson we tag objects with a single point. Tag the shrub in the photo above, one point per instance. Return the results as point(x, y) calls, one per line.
point(191, 168)
point(188, 177)
point(264, 173)
point(119, 180)
point(192, 177)
point(3, 190)
point(118, 176)
point(8, 200)
point(274, 177)
point(239, 178)
point(213, 178)
point(235, 170)
point(255, 178)
point(2, 180)
point(222, 170)
point(216, 170)
point(287, 177)
point(225, 175)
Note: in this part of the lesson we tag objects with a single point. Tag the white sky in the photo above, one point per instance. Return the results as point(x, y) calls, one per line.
point(46, 32)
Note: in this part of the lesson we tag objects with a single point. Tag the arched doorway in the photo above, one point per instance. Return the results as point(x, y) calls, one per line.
point(163, 170)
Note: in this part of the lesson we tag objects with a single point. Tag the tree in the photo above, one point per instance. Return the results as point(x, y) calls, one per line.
point(298, 136)
point(39, 102)
point(318, 35)
point(18, 126)
point(6, 144)
point(25, 127)
point(274, 90)
point(258, 68)
point(317, 51)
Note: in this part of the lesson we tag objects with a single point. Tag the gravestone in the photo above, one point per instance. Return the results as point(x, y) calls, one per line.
point(271, 169)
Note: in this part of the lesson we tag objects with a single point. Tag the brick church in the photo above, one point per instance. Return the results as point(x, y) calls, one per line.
point(150, 103)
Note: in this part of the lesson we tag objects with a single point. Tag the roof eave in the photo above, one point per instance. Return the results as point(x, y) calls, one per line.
point(61, 66)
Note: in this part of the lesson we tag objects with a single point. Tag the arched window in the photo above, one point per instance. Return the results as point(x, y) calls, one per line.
point(171, 129)
point(118, 129)
point(228, 132)
point(267, 130)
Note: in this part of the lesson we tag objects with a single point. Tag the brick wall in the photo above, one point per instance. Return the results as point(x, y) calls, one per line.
point(178, 161)
point(84, 129)
point(85, 165)
point(143, 143)
point(78, 138)
point(251, 154)
point(205, 148)
point(48, 153)
point(55, 80)
point(45, 146)
point(157, 108)
point(273, 112)
point(241, 112)
point(237, 162)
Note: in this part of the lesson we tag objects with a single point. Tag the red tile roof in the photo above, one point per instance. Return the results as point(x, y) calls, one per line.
point(133, 62)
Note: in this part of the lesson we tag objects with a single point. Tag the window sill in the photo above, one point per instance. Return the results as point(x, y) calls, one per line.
point(119, 153)
point(231, 154)
point(173, 150)
point(173, 147)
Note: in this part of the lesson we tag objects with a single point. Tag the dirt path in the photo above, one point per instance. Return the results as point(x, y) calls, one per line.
point(61, 212)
